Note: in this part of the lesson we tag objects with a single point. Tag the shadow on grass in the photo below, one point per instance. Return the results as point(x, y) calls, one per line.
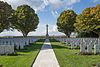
point(32, 47)
point(61, 45)
point(1, 66)
point(41, 40)
point(53, 40)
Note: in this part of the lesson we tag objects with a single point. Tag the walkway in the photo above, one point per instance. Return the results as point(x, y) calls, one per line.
point(46, 56)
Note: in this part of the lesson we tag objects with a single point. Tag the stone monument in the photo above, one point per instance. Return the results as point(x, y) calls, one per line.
point(47, 35)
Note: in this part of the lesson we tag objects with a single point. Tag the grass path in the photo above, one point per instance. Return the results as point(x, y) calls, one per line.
point(68, 57)
point(25, 57)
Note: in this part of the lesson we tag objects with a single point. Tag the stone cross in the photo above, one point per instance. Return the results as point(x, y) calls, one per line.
point(47, 35)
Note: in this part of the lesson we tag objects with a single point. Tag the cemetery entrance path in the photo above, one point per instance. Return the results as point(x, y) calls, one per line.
point(46, 56)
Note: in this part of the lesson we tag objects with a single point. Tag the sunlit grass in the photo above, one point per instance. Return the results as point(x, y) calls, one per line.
point(68, 57)
point(25, 57)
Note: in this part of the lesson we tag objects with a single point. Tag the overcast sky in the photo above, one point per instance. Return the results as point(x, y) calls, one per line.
point(48, 11)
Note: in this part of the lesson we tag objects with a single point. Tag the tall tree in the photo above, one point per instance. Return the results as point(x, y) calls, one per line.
point(65, 22)
point(5, 14)
point(89, 20)
point(25, 19)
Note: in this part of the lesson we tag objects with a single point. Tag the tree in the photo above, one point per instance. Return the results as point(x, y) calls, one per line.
point(65, 22)
point(25, 19)
point(87, 34)
point(89, 20)
point(5, 13)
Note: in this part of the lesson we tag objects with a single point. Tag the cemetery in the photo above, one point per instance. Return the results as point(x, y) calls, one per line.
point(24, 57)
point(83, 43)
point(8, 45)
point(74, 50)
point(69, 57)
point(79, 46)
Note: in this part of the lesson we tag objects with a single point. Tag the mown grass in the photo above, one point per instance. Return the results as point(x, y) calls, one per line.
point(68, 57)
point(25, 57)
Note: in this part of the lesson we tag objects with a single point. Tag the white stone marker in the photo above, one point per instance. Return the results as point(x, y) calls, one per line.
point(72, 45)
point(82, 47)
point(89, 48)
point(96, 49)
point(66, 43)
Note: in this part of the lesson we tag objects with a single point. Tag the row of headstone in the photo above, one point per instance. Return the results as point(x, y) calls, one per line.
point(88, 43)
point(7, 45)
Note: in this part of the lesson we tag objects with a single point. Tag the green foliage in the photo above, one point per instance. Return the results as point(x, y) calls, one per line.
point(5, 14)
point(89, 34)
point(65, 22)
point(89, 20)
point(25, 19)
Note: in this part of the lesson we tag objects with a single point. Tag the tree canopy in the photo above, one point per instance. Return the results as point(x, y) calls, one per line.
point(65, 22)
point(89, 20)
point(5, 14)
point(87, 34)
point(25, 19)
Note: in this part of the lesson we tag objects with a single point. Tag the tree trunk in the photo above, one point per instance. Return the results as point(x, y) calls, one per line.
point(99, 35)
point(68, 35)
point(25, 34)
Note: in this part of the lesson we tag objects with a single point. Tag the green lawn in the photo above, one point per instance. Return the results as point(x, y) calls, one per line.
point(25, 57)
point(68, 57)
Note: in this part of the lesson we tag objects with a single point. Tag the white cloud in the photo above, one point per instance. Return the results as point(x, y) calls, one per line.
point(55, 14)
point(46, 2)
point(96, 1)
point(60, 4)
point(41, 4)
point(10, 33)
point(69, 8)
point(53, 30)
point(40, 31)
point(35, 4)
point(57, 4)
